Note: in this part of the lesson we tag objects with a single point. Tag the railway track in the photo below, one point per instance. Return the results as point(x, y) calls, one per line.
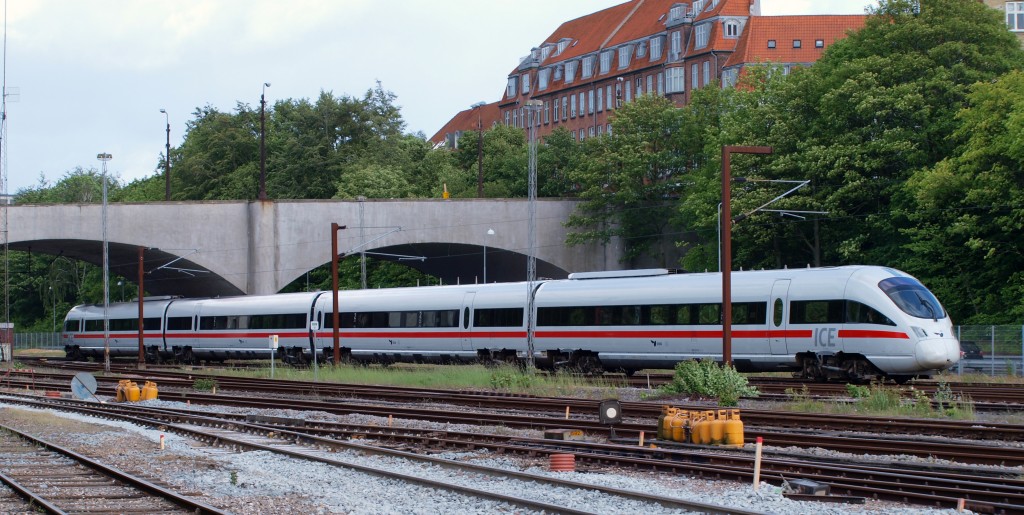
point(460, 477)
point(58, 480)
point(986, 490)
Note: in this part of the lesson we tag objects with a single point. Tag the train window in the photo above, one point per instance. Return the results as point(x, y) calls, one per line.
point(179, 323)
point(465, 319)
point(912, 297)
point(750, 313)
point(132, 324)
point(816, 312)
point(658, 315)
point(857, 313)
point(72, 326)
point(777, 312)
point(709, 314)
point(278, 321)
point(498, 317)
point(440, 318)
point(223, 322)
point(93, 325)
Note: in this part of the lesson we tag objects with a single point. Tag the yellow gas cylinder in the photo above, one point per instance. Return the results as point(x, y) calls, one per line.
point(663, 422)
point(132, 392)
point(718, 428)
point(148, 391)
point(734, 429)
point(679, 423)
point(705, 427)
point(119, 392)
point(696, 422)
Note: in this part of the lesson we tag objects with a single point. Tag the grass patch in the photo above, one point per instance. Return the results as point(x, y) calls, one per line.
point(885, 400)
point(478, 377)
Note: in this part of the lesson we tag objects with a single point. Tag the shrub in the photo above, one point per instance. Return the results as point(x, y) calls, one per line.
point(708, 379)
point(857, 391)
point(204, 384)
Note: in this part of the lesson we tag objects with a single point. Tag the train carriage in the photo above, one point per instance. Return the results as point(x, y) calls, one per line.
point(854, 322)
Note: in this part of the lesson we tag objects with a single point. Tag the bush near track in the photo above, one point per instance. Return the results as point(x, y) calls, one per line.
point(708, 379)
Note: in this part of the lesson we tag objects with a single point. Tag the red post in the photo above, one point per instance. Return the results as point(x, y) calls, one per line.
point(726, 264)
point(142, 352)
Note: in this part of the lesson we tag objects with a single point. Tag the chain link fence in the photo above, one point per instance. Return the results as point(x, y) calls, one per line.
point(46, 341)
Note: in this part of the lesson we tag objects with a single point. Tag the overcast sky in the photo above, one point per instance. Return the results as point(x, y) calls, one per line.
point(85, 77)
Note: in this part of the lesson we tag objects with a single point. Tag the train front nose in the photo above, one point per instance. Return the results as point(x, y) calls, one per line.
point(937, 353)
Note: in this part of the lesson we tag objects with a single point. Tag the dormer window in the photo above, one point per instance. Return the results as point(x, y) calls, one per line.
point(771, 43)
point(570, 71)
point(588, 67)
point(701, 33)
point(510, 90)
point(624, 54)
point(797, 43)
point(526, 83)
point(641, 49)
point(545, 51)
point(732, 28)
point(698, 6)
point(819, 43)
point(606, 61)
point(677, 11)
point(558, 73)
point(655, 48)
point(562, 45)
point(543, 77)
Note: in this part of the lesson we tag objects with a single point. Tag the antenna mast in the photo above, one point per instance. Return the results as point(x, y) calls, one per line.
point(3, 182)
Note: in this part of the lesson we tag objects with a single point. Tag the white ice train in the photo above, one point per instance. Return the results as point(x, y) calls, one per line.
point(853, 322)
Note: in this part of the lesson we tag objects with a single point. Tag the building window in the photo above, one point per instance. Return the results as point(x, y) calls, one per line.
point(565, 108)
point(600, 100)
point(590, 132)
point(562, 45)
point(542, 79)
point(677, 46)
point(624, 54)
point(556, 110)
point(583, 134)
point(629, 94)
point(588, 66)
point(510, 91)
point(611, 102)
point(694, 79)
point(796, 43)
point(570, 71)
point(639, 87)
point(608, 129)
point(606, 61)
point(819, 43)
point(655, 48)
point(507, 118)
point(515, 118)
point(771, 43)
point(661, 83)
point(675, 80)
point(707, 72)
point(1015, 16)
point(590, 102)
point(572, 104)
point(547, 112)
point(526, 83)
point(545, 51)
point(729, 78)
point(701, 35)
point(732, 28)
point(583, 103)
point(641, 51)
point(650, 84)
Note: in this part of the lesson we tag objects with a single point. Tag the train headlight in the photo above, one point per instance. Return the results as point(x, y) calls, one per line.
point(920, 333)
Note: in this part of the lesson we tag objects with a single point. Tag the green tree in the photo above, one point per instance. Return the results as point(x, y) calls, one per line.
point(969, 216)
point(219, 159)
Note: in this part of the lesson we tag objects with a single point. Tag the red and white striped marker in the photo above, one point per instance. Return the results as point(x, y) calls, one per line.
point(161, 442)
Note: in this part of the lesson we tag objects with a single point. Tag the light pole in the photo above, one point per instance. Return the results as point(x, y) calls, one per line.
point(532, 109)
point(121, 284)
point(53, 298)
point(106, 269)
point(334, 292)
point(726, 226)
point(479, 150)
point(167, 158)
point(263, 143)
point(490, 232)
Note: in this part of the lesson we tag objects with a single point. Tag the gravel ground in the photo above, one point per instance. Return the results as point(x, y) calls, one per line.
point(260, 482)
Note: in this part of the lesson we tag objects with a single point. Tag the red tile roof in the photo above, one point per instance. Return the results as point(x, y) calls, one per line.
point(753, 44)
point(485, 115)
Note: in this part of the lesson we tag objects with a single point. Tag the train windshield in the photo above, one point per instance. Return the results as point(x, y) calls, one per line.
point(912, 297)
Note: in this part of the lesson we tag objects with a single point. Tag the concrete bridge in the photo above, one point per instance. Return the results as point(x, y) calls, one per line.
point(239, 247)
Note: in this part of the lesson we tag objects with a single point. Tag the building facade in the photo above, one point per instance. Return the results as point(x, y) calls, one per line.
point(590, 66)
point(1014, 16)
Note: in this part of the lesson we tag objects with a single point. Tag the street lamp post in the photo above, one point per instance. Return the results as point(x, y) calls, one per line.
point(167, 158)
point(490, 232)
point(726, 226)
point(106, 269)
point(263, 144)
point(334, 292)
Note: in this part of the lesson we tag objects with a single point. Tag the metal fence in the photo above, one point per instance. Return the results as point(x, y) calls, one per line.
point(990, 349)
point(37, 341)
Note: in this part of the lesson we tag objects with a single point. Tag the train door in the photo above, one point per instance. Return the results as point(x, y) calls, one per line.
point(778, 316)
point(467, 322)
